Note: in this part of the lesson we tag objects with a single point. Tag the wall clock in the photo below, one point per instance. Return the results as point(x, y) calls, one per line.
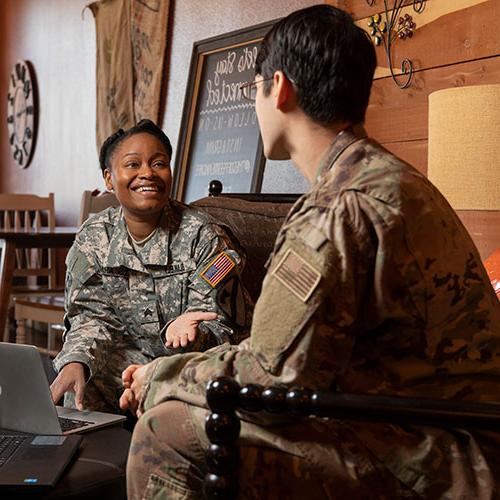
point(21, 113)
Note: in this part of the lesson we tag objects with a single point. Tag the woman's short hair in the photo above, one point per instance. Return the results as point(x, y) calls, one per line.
point(145, 126)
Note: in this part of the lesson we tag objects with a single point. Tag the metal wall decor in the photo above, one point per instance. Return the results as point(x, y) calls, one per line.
point(393, 27)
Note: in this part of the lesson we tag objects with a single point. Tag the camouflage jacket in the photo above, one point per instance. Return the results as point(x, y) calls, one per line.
point(118, 298)
point(374, 286)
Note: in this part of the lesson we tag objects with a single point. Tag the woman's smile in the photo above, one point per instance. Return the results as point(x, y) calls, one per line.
point(140, 176)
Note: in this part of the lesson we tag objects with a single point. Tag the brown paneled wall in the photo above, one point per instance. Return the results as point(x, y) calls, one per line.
point(456, 43)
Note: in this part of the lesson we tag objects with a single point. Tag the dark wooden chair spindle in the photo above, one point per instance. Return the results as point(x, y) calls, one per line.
point(225, 397)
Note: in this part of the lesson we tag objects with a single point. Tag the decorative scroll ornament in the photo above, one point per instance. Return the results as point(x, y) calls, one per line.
point(393, 27)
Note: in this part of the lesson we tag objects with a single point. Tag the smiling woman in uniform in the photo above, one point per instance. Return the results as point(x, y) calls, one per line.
point(148, 278)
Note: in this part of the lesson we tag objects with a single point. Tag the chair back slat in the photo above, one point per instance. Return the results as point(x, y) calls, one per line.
point(6, 220)
point(30, 212)
point(37, 221)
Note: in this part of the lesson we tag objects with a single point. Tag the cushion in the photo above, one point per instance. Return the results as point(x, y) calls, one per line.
point(255, 224)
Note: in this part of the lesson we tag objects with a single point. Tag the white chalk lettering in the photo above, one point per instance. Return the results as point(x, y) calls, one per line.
point(224, 66)
point(223, 168)
point(230, 145)
point(247, 59)
point(223, 94)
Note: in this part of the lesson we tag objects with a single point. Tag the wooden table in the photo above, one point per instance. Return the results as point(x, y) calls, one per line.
point(10, 240)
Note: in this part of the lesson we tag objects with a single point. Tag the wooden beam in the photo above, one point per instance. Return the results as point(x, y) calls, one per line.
point(394, 115)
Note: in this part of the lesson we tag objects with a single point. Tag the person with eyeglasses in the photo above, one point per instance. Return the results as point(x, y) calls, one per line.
point(374, 287)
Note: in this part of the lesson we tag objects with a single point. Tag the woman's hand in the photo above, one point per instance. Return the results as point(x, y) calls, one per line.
point(185, 328)
point(134, 379)
point(70, 379)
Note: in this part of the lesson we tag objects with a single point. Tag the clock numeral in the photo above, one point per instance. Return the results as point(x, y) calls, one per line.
point(20, 71)
point(25, 144)
point(18, 155)
point(10, 98)
point(27, 88)
point(28, 133)
point(10, 119)
point(12, 138)
point(29, 110)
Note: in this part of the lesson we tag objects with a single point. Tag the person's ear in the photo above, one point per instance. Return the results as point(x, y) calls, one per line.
point(284, 91)
point(107, 179)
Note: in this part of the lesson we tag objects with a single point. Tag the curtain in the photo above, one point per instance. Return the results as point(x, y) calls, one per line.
point(131, 39)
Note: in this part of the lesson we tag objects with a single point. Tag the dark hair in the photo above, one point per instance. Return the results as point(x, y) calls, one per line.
point(330, 60)
point(145, 126)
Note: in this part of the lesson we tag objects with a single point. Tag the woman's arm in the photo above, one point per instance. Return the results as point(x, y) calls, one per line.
point(90, 318)
point(214, 286)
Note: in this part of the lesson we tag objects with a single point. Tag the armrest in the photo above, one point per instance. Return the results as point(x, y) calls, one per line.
point(225, 396)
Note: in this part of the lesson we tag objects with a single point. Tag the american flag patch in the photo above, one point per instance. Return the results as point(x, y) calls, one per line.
point(217, 269)
point(297, 275)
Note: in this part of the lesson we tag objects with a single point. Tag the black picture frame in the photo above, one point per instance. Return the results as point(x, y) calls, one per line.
point(219, 136)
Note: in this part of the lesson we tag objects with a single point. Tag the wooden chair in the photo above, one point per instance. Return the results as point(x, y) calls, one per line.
point(32, 270)
point(50, 309)
point(94, 202)
point(27, 212)
point(44, 309)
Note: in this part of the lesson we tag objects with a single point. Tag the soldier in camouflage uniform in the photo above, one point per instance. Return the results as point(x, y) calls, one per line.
point(123, 296)
point(374, 286)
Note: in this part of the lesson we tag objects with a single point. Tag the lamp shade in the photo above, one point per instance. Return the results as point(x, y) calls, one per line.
point(464, 146)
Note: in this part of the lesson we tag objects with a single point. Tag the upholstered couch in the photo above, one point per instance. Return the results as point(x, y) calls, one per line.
point(254, 220)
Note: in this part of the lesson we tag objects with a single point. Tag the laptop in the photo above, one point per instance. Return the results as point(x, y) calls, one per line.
point(37, 439)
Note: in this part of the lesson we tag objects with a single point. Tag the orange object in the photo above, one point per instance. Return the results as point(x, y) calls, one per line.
point(492, 265)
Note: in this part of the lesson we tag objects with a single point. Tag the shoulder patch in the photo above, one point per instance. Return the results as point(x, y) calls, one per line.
point(218, 269)
point(297, 275)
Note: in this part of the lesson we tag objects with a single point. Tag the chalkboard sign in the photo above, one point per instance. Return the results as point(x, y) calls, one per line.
point(219, 136)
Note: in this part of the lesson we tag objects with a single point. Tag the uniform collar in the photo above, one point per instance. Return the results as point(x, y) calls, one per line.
point(339, 144)
point(156, 251)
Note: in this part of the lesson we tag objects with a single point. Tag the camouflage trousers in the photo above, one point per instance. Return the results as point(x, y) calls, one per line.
point(166, 461)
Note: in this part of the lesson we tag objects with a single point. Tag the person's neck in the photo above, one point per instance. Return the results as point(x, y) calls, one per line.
point(141, 227)
point(309, 142)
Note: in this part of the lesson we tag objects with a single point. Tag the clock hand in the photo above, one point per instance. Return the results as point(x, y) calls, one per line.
point(20, 112)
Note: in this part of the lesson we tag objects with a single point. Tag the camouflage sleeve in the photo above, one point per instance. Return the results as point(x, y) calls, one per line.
point(215, 286)
point(89, 320)
point(303, 330)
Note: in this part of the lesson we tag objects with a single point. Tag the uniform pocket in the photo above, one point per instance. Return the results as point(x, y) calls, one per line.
point(159, 488)
point(172, 290)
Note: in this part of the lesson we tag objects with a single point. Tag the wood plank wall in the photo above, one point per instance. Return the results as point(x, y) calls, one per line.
point(456, 43)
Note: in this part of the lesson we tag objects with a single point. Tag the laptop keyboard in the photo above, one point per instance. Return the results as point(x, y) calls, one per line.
point(8, 445)
point(68, 424)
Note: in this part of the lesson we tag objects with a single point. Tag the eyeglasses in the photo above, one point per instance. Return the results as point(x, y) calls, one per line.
point(249, 90)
